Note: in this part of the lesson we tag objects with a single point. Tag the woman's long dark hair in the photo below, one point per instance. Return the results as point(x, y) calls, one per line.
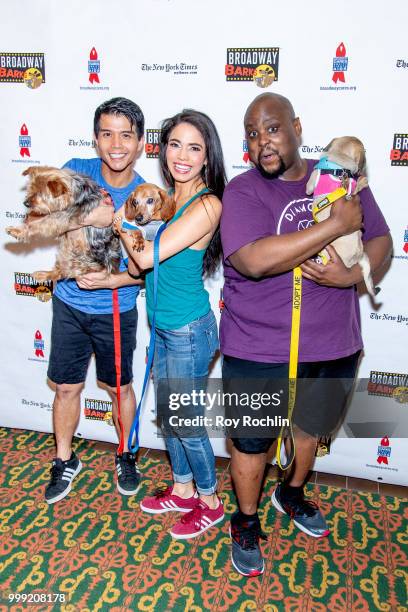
point(213, 173)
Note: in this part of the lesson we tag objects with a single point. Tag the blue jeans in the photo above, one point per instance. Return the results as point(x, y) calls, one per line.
point(182, 356)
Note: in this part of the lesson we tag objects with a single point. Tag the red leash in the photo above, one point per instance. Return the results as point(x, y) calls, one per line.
point(118, 363)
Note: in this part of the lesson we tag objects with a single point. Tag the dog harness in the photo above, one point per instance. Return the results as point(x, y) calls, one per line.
point(148, 231)
point(331, 176)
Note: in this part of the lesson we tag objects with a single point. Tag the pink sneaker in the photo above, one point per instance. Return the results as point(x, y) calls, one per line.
point(197, 521)
point(164, 501)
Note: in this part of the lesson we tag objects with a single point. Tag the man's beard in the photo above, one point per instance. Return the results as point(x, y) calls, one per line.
point(276, 173)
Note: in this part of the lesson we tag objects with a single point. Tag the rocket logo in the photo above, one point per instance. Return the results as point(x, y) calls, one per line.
point(384, 451)
point(94, 66)
point(24, 141)
point(38, 344)
point(340, 63)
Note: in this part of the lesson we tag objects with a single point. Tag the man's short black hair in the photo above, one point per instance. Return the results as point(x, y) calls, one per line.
point(121, 106)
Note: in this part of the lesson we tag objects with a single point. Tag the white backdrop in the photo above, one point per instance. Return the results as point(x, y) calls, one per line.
point(171, 54)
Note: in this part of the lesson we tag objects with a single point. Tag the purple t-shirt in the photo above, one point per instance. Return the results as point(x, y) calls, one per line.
point(256, 319)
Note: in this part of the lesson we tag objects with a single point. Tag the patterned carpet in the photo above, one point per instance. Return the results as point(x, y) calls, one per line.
point(100, 552)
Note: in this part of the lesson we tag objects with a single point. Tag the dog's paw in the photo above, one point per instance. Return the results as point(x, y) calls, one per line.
point(16, 232)
point(138, 242)
point(117, 225)
point(41, 276)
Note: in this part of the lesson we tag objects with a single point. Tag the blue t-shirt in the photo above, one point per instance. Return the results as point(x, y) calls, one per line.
point(99, 301)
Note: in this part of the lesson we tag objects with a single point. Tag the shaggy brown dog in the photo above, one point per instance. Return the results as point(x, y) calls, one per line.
point(58, 201)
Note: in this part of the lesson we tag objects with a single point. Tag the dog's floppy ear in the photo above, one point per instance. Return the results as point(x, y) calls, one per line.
point(168, 208)
point(130, 208)
point(29, 171)
point(327, 147)
point(311, 183)
point(362, 168)
point(57, 187)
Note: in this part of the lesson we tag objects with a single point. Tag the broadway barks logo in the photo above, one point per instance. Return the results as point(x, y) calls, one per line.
point(28, 68)
point(152, 143)
point(384, 451)
point(399, 151)
point(258, 64)
point(98, 410)
point(25, 284)
point(389, 384)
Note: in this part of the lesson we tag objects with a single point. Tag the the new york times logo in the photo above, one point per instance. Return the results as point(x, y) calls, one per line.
point(260, 64)
point(386, 384)
point(98, 410)
point(152, 143)
point(399, 152)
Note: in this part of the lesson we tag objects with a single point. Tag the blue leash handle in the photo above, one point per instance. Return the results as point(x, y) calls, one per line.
point(134, 431)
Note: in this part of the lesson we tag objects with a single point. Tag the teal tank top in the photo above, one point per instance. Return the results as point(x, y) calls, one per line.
point(181, 295)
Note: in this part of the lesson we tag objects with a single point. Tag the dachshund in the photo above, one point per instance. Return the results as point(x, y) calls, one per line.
point(145, 204)
point(342, 164)
point(58, 202)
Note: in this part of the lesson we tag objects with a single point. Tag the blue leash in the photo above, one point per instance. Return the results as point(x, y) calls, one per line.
point(134, 431)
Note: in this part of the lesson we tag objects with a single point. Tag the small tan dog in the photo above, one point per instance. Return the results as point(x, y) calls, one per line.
point(342, 164)
point(58, 201)
point(145, 204)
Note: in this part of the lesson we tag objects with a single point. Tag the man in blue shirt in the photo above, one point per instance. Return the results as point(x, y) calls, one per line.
point(82, 308)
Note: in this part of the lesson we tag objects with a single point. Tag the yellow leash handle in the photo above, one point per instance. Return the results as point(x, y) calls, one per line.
point(287, 432)
point(327, 200)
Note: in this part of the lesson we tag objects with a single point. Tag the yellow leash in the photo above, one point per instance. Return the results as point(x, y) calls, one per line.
point(286, 431)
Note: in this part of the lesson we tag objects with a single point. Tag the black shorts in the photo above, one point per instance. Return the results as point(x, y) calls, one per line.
point(323, 389)
point(75, 335)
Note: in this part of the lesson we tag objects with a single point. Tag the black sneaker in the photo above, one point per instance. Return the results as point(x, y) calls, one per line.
point(305, 514)
point(128, 473)
point(62, 475)
point(245, 555)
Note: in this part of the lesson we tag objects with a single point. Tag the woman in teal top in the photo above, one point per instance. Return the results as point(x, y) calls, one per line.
point(186, 330)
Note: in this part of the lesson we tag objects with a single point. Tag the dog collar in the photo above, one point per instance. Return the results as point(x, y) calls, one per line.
point(325, 164)
point(149, 230)
point(340, 173)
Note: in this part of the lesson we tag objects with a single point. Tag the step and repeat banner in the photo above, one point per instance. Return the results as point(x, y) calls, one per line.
point(344, 69)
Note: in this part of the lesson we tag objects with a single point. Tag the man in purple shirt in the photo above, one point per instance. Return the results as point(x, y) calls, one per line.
point(267, 230)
